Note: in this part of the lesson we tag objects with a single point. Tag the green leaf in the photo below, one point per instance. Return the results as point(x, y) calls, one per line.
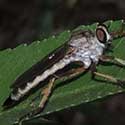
point(14, 62)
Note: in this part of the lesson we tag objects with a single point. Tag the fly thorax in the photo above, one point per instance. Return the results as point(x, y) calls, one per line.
point(87, 51)
point(79, 43)
point(96, 49)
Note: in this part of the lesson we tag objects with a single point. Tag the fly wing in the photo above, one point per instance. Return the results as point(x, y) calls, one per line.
point(41, 66)
point(33, 72)
point(47, 62)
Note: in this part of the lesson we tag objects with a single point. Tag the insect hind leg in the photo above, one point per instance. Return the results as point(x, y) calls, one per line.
point(46, 93)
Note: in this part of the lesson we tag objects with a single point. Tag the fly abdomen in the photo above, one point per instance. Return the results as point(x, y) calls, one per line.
point(10, 101)
point(19, 92)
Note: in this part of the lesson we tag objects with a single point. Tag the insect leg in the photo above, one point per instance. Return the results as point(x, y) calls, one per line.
point(46, 93)
point(76, 33)
point(39, 95)
point(119, 33)
point(106, 76)
point(111, 79)
point(79, 33)
point(70, 73)
point(112, 59)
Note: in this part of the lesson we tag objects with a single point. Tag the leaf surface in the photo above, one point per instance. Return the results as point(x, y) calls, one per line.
point(81, 90)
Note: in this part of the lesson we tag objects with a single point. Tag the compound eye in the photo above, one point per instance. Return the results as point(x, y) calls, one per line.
point(101, 35)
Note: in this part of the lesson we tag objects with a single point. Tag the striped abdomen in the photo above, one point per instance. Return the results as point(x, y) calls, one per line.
point(37, 74)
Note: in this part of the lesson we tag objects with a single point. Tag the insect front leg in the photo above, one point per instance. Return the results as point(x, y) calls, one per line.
point(112, 59)
point(120, 32)
point(46, 93)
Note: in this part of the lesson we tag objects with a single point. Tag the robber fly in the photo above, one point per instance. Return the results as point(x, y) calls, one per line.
point(85, 48)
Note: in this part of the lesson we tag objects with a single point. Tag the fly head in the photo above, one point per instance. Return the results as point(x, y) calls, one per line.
point(104, 36)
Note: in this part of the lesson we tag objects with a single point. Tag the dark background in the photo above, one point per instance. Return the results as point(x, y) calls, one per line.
point(23, 21)
point(26, 20)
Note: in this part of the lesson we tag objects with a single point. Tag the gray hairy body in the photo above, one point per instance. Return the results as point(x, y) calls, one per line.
point(86, 49)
